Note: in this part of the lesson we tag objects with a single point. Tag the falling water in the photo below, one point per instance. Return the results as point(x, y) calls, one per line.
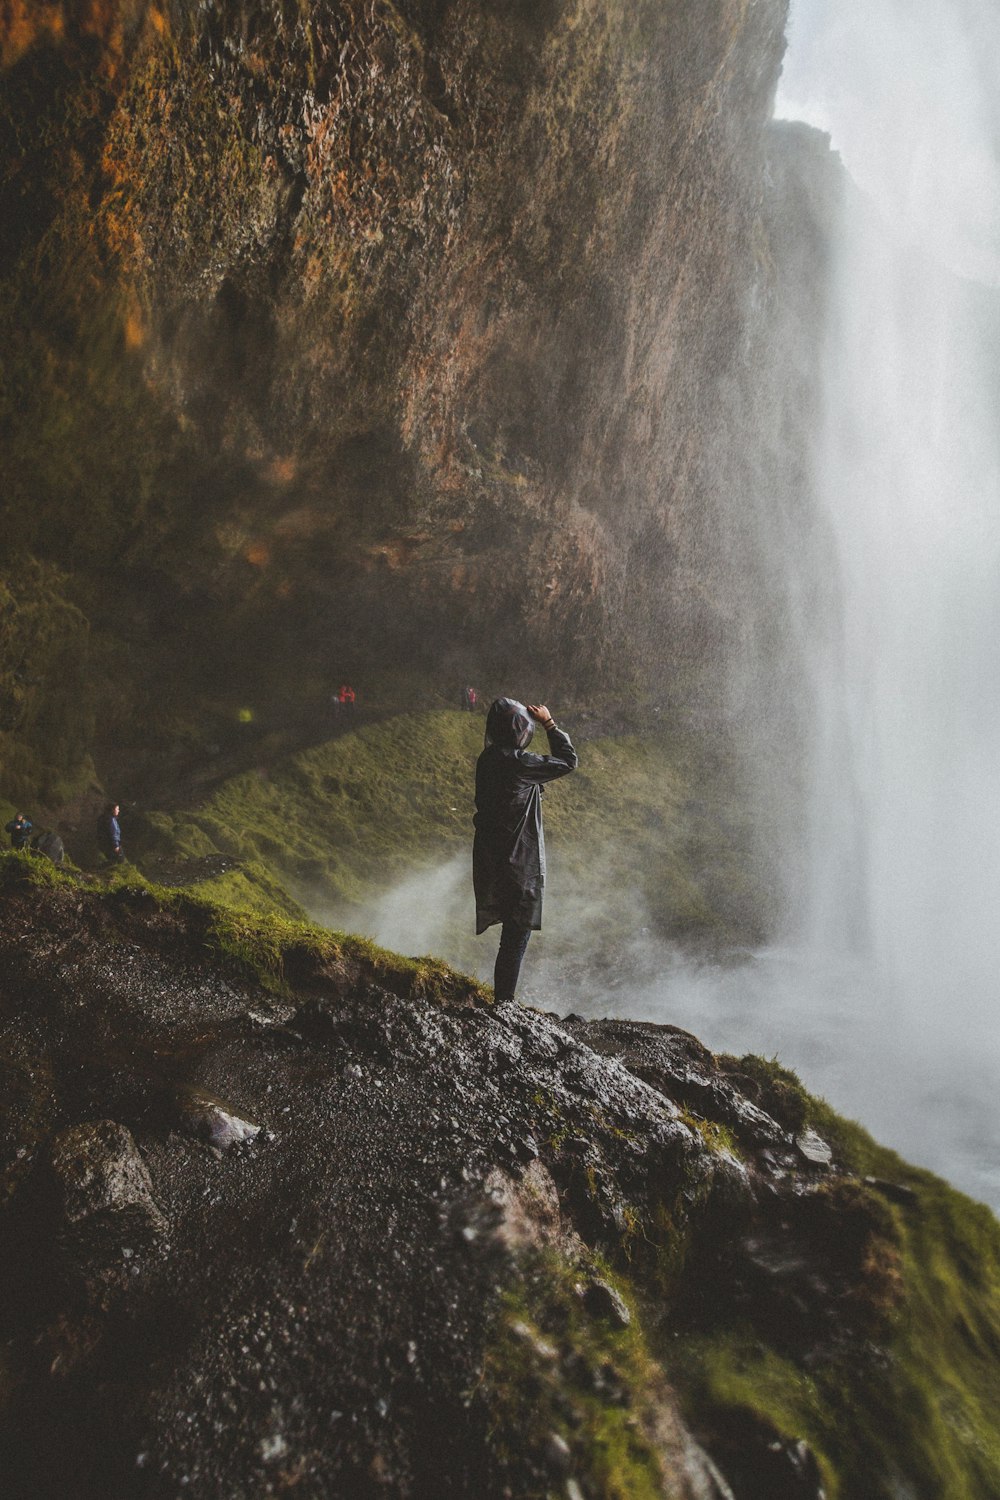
point(904, 855)
point(906, 815)
point(886, 994)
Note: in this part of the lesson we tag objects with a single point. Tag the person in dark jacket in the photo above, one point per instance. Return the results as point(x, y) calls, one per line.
point(109, 834)
point(508, 855)
point(19, 829)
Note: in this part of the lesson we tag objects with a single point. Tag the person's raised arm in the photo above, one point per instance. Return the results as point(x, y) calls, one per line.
point(562, 758)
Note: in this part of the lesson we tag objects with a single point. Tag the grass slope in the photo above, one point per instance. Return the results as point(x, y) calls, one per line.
point(649, 829)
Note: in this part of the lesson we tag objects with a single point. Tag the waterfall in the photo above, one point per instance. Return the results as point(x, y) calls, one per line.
point(904, 855)
point(905, 826)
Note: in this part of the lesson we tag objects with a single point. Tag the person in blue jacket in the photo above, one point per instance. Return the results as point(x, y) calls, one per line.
point(19, 829)
point(109, 833)
point(508, 854)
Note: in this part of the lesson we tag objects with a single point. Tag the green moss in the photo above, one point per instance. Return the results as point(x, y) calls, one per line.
point(921, 1409)
point(777, 1090)
point(552, 1370)
point(259, 944)
point(717, 1137)
point(341, 824)
point(251, 888)
point(264, 944)
point(19, 868)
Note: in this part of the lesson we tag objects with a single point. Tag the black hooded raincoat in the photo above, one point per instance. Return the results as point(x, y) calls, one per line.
point(508, 855)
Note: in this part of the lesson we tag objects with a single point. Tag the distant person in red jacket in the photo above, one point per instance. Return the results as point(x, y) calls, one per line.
point(346, 696)
point(470, 700)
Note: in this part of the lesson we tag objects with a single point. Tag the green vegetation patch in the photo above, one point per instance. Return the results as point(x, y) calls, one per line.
point(630, 842)
point(343, 821)
point(19, 868)
point(569, 1393)
point(914, 1407)
point(282, 953)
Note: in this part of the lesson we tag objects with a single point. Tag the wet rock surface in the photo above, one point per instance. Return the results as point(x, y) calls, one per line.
point(679, 1066)
point(442, 298)
point(348, 1299)
point(102, 1183)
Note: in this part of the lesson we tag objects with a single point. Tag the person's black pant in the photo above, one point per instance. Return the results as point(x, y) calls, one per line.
point(513, 942)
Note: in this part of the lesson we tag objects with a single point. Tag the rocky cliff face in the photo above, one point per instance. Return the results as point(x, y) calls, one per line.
point(280, 1212)
point(372, 334)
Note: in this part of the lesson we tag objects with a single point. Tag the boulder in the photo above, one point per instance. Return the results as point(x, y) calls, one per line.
point(103, 1187)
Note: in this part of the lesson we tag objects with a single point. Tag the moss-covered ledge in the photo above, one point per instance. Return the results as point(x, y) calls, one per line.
point(810, 1327)
point(886, 1369)
point(285, 955)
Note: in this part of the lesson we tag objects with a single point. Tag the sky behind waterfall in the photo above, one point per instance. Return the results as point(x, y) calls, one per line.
point(909, 91)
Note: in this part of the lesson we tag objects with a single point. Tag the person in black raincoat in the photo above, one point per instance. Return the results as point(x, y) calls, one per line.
point(508, 855)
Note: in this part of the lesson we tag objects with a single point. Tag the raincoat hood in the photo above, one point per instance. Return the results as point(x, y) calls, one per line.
point(509, 724)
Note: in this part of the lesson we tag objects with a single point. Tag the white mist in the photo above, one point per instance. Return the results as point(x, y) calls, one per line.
point(903, 864)
point(905, 842)
point(886, 995)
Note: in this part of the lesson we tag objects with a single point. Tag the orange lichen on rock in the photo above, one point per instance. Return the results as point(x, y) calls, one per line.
point(134, 327)
point(396, 554)
point(25, 22)
point(282, 470)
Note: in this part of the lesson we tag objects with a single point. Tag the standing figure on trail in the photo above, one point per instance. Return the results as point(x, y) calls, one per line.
point(508, 856)
point(109, 834)
point(19, 829)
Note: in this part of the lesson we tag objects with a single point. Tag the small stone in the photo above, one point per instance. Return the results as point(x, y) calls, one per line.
point(557, 1453)
point(896, 1192)
point(814, 1148)
point(208, 1119)
point(273, 1447)
point(602, 1301)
